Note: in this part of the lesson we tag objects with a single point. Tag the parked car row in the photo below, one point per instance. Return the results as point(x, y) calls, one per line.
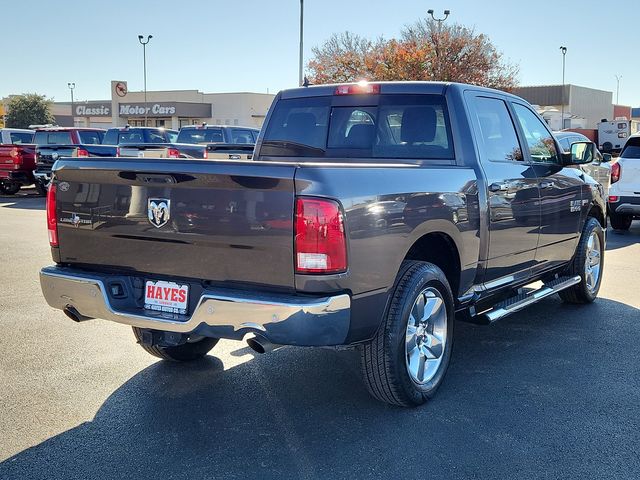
point(27, 156)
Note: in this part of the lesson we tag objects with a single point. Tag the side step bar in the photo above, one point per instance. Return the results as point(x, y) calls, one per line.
point(517, 303)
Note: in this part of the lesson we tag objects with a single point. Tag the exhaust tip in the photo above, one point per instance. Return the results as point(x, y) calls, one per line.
point(261, 345)
point(74, 315)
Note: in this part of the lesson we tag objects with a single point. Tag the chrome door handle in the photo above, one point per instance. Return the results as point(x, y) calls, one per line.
point(547, 184)
point(498, 187)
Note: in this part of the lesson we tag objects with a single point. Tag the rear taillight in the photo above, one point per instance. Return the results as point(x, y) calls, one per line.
point(320, 243)
point(173, 153)
point(82, 153)
point(360, 88)
point(205, 155)
point(52, 221)
point(616, 171)
point(16, 156)
point(117, 151)
point(613, 198)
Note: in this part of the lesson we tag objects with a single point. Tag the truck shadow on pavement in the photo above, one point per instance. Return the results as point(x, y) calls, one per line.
point(620, 239)
point(27, 200)
point(540, 391)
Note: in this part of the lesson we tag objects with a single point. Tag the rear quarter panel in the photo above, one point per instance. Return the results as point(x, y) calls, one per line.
point(387, 209)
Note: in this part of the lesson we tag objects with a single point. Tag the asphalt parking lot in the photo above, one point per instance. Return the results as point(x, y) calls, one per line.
point(551, 392)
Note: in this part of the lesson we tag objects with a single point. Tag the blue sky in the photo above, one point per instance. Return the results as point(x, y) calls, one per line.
point(252, 45)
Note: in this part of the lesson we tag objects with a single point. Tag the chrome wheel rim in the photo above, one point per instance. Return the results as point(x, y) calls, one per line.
point(426, 336)
point(593, 262)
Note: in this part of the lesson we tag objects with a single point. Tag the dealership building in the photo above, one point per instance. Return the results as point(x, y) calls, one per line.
point(170, 109)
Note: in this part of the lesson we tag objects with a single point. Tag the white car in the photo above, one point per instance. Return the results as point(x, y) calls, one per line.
point(624, 194)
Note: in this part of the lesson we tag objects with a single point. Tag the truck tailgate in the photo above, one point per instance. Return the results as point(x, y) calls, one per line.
point(214, 221)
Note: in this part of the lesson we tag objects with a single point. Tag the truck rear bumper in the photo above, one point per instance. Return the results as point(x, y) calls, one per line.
point(626, 205)
point(280, 318)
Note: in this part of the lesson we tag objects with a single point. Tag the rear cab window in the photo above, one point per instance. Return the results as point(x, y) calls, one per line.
point(360, 127)
point(90, 137)
point(197, 135)
point(53, 138)
point(631, 148)
point(18, 138)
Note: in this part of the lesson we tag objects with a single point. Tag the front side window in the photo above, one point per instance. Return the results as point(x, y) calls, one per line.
point(498, 138)
point(371, 126)
point(542, 147)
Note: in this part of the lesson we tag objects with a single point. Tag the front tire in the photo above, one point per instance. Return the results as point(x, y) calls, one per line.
point(406, 361)
point(186, 352)
point(588, 263)
point(620, 222)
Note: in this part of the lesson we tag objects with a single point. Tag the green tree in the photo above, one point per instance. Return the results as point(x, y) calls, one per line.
point(28, 109)
point(425, 50)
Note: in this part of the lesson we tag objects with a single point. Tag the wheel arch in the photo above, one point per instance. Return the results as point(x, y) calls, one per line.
point(439, 248)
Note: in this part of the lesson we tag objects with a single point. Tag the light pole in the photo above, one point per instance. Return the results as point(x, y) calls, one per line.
point(439, 20)
point(301, 59)
point(71, 86)
point(144, 60)
point(564, 54)
point(618, 78)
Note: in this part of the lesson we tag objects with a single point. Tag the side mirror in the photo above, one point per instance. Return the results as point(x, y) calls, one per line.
point(606, 157)
point(581, 153)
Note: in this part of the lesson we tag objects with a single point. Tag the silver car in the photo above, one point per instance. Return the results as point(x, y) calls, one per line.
point(599, 169)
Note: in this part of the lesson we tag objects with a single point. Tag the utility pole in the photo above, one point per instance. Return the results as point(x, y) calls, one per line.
point(71, 86)
point(144, 63)
point(618, 78)
point(301, 59)
point(564, 54)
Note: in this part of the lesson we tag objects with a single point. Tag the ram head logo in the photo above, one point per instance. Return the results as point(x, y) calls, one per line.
point(158, 211)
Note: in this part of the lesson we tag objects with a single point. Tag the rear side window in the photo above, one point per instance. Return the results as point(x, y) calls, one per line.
point(90, 137)
point(200, 135)
point(53, 138)
point(21, 137)
point(384, 126)
point(498, 138)
point(632, 148)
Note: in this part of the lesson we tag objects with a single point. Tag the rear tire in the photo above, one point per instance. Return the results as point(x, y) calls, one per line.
point(186, 352)
point(406, 361)
point(9, 188)
point(588, 263)
point(620, 222)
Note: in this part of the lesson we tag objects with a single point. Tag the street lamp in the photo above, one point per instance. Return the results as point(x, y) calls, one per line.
point(144, 60)
point(437, 44)
point(301, 59)
point(618, 78)
point(439, 20)
point(564, 54)
point(71, 86)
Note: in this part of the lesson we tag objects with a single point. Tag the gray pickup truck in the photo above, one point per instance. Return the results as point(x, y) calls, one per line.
point(370, 216)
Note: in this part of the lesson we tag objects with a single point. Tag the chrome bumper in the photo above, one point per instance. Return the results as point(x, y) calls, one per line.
point(282, 319)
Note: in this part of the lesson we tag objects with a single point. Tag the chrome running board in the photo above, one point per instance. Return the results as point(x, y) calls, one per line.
point(517, 303)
